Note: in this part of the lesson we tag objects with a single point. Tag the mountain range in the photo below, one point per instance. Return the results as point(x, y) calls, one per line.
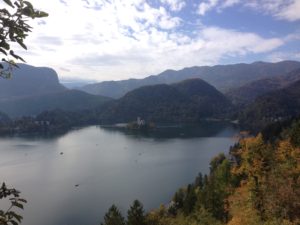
point(223, 77)
point(261, 92)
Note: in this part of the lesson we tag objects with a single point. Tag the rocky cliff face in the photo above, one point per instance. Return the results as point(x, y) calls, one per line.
point(29, 81)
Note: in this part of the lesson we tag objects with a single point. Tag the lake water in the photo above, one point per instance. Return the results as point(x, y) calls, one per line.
point(74, 178)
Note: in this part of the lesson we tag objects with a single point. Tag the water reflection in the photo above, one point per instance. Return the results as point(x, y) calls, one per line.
point(183, 131)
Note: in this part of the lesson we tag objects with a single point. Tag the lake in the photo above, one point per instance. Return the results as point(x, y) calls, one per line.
point(74, 178)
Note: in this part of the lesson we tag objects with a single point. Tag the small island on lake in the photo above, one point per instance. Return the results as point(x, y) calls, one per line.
point(140, 124)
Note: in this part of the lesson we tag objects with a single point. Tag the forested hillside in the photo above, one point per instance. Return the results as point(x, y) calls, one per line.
point(250, 91)
point(274, 106)
point(187, 101)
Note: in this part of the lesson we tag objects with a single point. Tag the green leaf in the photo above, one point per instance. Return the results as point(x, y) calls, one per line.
point(8, 2)
point(11, 52)
point(20, 42)
point(28, 4)
point(11, 36)
point(3, 51)
point(28, 11)
point(18, 205)
point(22, 200)
point(17, 4)
point(4, 45)
point(13, 222)
point(16, 216)
point(40, 14)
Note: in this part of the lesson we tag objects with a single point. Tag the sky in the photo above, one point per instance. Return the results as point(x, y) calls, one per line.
point(119, 39)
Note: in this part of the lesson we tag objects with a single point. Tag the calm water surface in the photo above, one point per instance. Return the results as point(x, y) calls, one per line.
point(108, 166)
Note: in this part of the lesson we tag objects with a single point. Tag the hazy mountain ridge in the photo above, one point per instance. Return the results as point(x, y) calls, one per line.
point(223, 77)
point(168, 103)
point(69, 100)
point(29, 81)
point(32, 90)
point(249, 92)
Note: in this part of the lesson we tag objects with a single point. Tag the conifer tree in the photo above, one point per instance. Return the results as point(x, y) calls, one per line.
point(113, 217)
point(136, 214)
point(190, 200)
point(199, 181)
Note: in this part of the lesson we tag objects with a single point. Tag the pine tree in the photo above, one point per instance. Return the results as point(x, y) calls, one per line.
point(199, 181)
point(179, 198)
point(113, 217)
point(135, 214)
point(190, 200)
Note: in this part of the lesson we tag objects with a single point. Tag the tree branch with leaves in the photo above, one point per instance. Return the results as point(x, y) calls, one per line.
point(14, 28)
point(8, 216)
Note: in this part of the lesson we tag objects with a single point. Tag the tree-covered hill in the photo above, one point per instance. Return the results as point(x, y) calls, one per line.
point(206, 97)
point(274, 106)
point(161, 103)
point(249, 92)
point(187, 101)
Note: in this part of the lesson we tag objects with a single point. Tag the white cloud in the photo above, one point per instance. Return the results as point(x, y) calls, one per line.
point(206, 6)
point(175, 5)
point(292, 37)
point(104, 40)
point(288, 10)
point(168, 22)
point(229, 3)
point(219, 5)
point(234, 42)
point(279, 56)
